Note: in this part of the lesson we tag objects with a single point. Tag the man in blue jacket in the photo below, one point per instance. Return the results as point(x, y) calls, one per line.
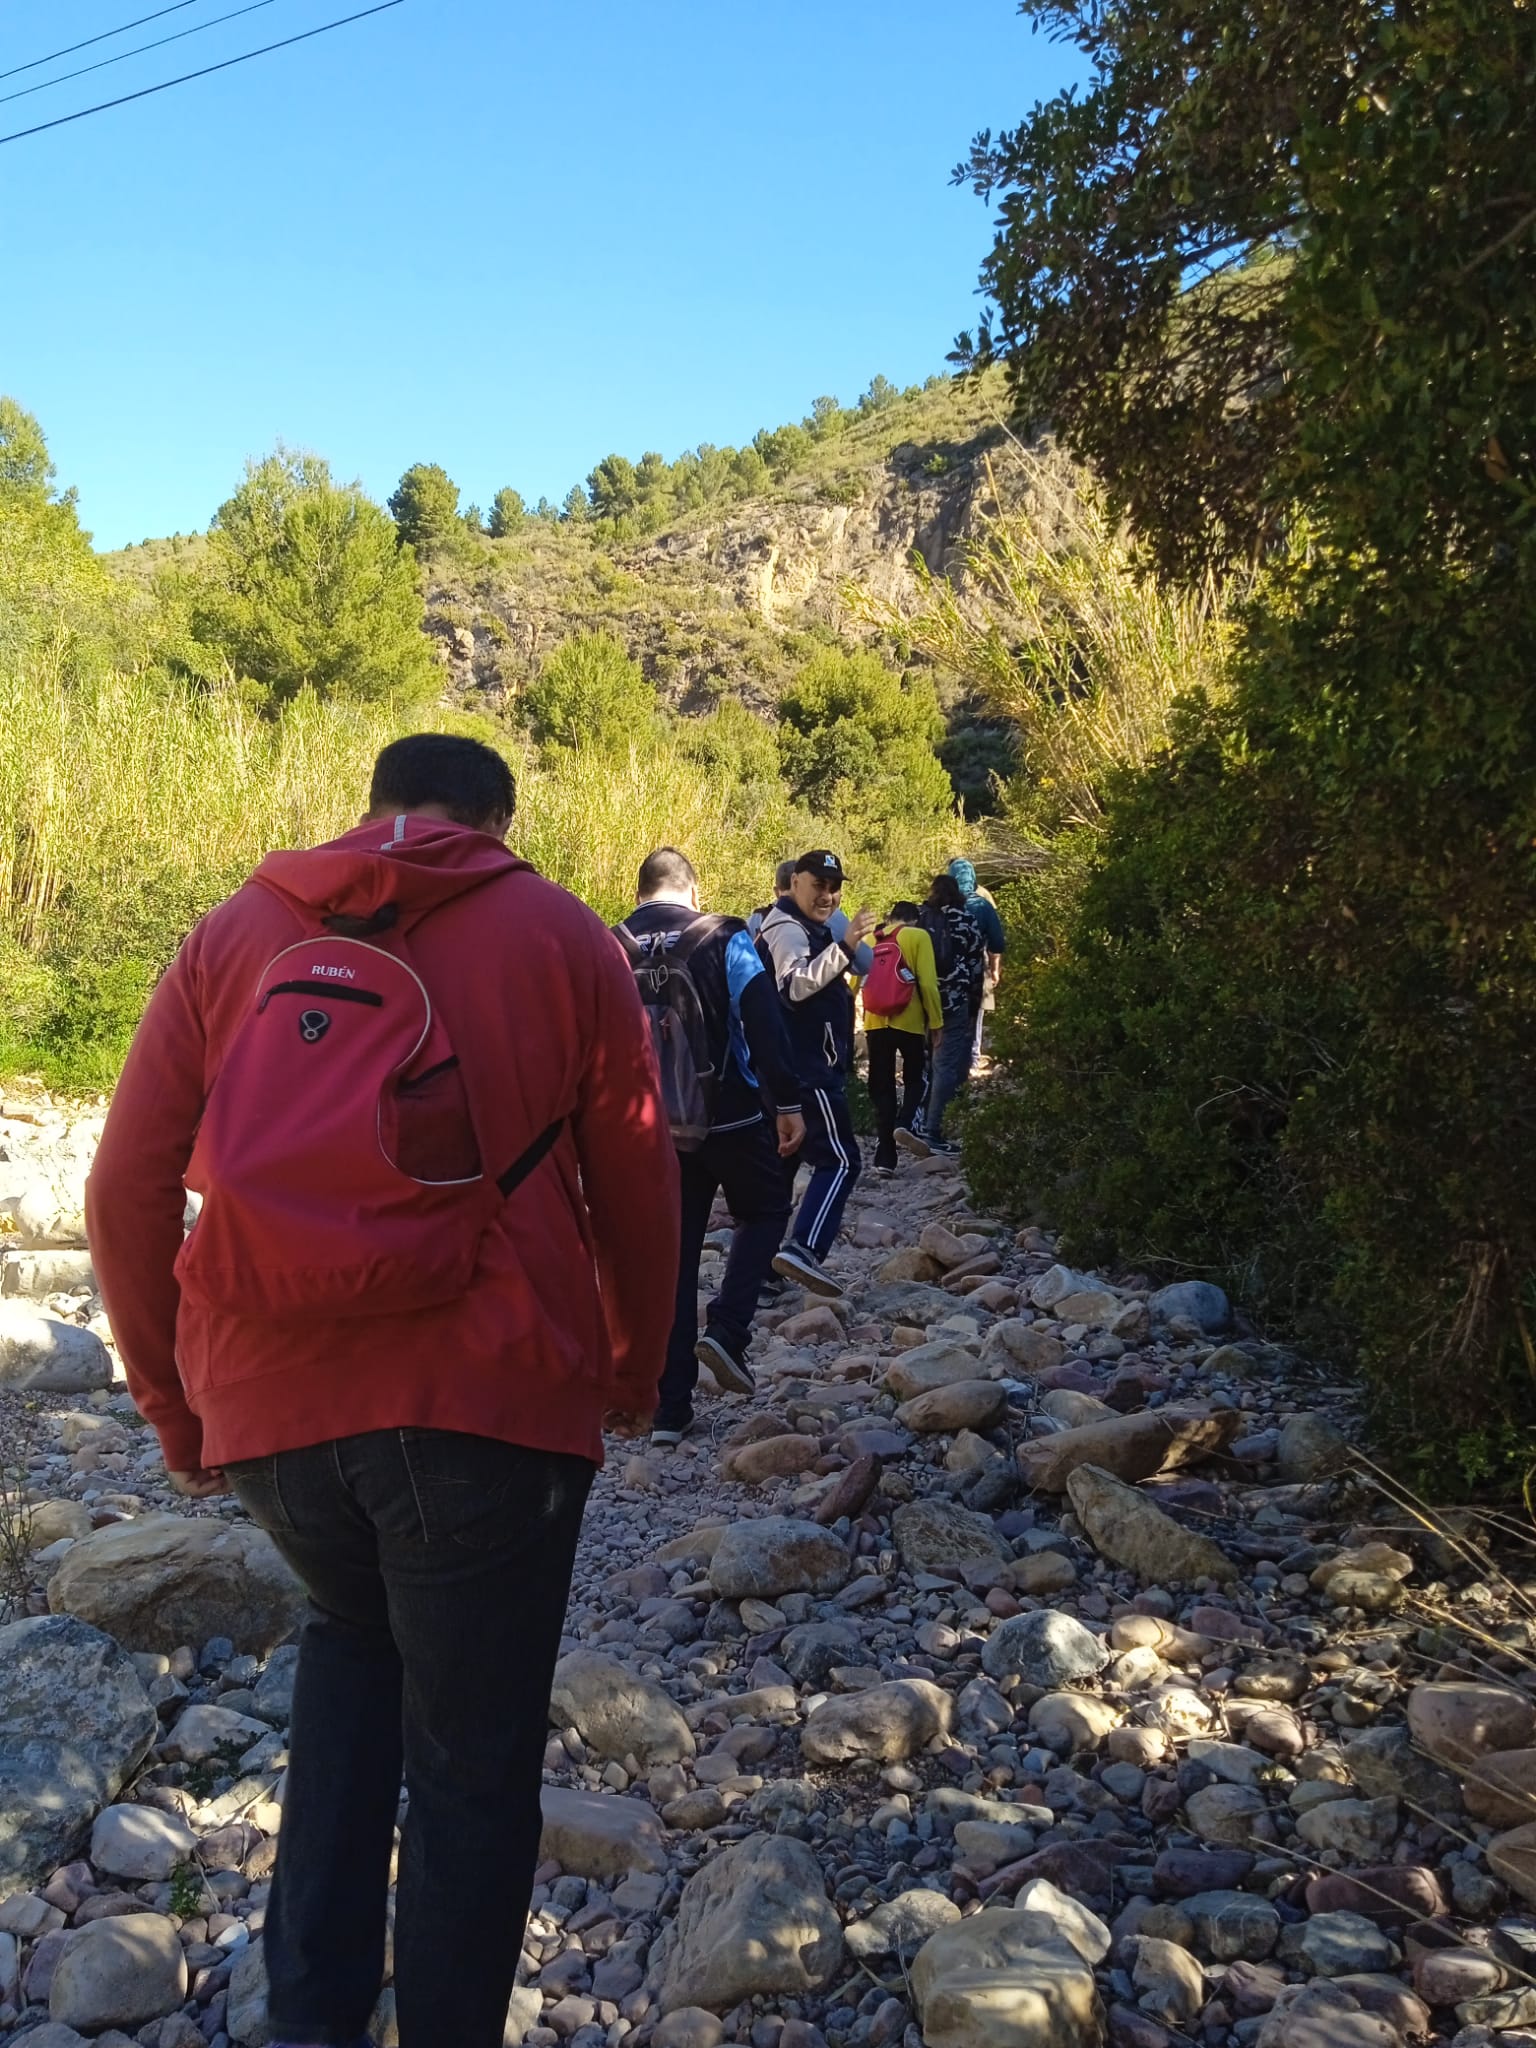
point(756, 1126)
point(811, 969)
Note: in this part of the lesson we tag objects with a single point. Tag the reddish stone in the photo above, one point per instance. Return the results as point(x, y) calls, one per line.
point(1180, 1873)
point(1411, 1893)
point(850, 1491)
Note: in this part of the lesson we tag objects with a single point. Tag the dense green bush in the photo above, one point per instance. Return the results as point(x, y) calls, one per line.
point(1290, 1033)
point(590, 695)
point(855, 737)
point(305, 587)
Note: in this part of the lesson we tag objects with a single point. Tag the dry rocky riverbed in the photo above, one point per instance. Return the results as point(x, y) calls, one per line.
point(1028, 1665)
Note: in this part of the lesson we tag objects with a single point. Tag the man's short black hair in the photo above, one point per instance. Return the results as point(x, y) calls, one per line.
point(468, 779)
point(904, 913)
point(666, 869)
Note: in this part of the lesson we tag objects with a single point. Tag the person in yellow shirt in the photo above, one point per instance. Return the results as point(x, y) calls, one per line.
point(899, 1037)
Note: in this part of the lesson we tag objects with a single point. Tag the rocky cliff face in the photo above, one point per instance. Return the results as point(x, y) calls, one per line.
point(717, 604)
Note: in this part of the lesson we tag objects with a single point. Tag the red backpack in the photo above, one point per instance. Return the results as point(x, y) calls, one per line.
point(890, 983)
point(337, 1158)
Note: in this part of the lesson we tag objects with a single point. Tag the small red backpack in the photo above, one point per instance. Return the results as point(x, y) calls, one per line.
point(338, 1159)
point(889, 985)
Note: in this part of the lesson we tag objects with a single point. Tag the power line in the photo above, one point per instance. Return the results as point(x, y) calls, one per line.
point(207, 72)
point(137, 51)
point(105, 37)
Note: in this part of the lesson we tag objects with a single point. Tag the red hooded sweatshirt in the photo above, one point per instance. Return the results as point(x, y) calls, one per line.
point(572, 1297)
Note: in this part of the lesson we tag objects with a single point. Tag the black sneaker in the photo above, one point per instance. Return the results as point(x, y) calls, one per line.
point(796, 1263)
point(731, 1373)
point(666, 1436)
point(942, 1148)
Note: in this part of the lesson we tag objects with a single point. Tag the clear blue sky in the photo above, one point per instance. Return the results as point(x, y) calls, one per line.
point(502, 236)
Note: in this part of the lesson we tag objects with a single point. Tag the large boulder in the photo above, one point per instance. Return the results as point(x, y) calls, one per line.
point(165, 1580)
point(927, 1366)
point(885, 1722)
point(33, 1276)
point(1021, 1347)
point(1006, 1979)
point(140, 1843)
point(118, 1973)
point(755, 1919)
point(1458, 1723)
point(1197, 1301)
point(47, 1356)
point(1131, 1447)
point(931, 1534)
point(617, 1713)
point(1500, 1788)
point(760, 1560)
point(1127, 1529)
point(1047, 1649)
point(75, 1723)
point(962, 1404)
point(599, 1834)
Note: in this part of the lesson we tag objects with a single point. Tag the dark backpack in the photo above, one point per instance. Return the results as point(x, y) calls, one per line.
point(680, 1037)
point(936, 925)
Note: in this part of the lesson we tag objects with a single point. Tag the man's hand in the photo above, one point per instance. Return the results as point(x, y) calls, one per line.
point(202, 1483)
point(791, 1127)
point(629, 1423)
point(860, 925)
point(936, 1037)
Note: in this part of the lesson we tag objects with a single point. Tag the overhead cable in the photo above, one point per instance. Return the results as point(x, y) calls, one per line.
point(105, 37)
point(207, 71)
point(138, 50)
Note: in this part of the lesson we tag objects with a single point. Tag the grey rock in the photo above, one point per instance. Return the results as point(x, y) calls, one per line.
point(1341, 1944)
point(886, 1722)
point(760, 1560)
point(164, 1580)
point(245, 2017)
point(901, 1923)
point(1233, 1926)
point(118, 1973)
point(33, 1276)
point(755, 1919)
point(1128, 1529)
point(616, 1713)
point(1384, 1763)
point(811, 1650)
point(140, 1842)
point(75, 1723)
point(1045, 1649)
point(274, 1688)
point(933, 1533)
point(1199, 1301)
point(1310, 1448)
point(47, 1356)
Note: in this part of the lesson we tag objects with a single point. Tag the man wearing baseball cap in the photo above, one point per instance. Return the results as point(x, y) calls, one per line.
point(811, 969)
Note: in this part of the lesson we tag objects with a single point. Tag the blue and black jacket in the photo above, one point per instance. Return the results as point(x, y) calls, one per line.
point(745, 1021)
point(810, 969)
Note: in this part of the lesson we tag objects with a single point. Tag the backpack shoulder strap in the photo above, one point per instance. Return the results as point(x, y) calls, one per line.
point(633, 950)
point(697, 934)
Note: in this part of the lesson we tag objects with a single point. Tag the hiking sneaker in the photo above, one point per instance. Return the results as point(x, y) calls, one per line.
point(666, 1436)
point(942, 1148)
point(885, 1173)
point(796, 1263)
point(731, 1373)
point(912, 1143)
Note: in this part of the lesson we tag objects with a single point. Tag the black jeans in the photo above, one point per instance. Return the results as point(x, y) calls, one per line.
point(745, 1164)
point(437, 1567)
point(831, 1150)
point(886, 1047)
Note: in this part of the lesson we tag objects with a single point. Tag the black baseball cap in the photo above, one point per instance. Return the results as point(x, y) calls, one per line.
point(825, 866)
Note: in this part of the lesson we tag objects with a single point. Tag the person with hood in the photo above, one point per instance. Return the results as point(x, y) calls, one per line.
point(810, 969)
point(435, 1257)
point(960, 949)
point(993, 937)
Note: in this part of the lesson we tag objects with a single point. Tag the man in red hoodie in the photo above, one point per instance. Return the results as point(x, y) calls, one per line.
point(418, 1445)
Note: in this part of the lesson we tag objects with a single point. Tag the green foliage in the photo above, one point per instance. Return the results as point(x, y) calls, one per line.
point(425, 506)
point(590, 695)
point(1288, 1029)
point(880, 397)
point(304, 586)
point(26, 470)
point(856, 738)
point(827, 419)
point(508, 513)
